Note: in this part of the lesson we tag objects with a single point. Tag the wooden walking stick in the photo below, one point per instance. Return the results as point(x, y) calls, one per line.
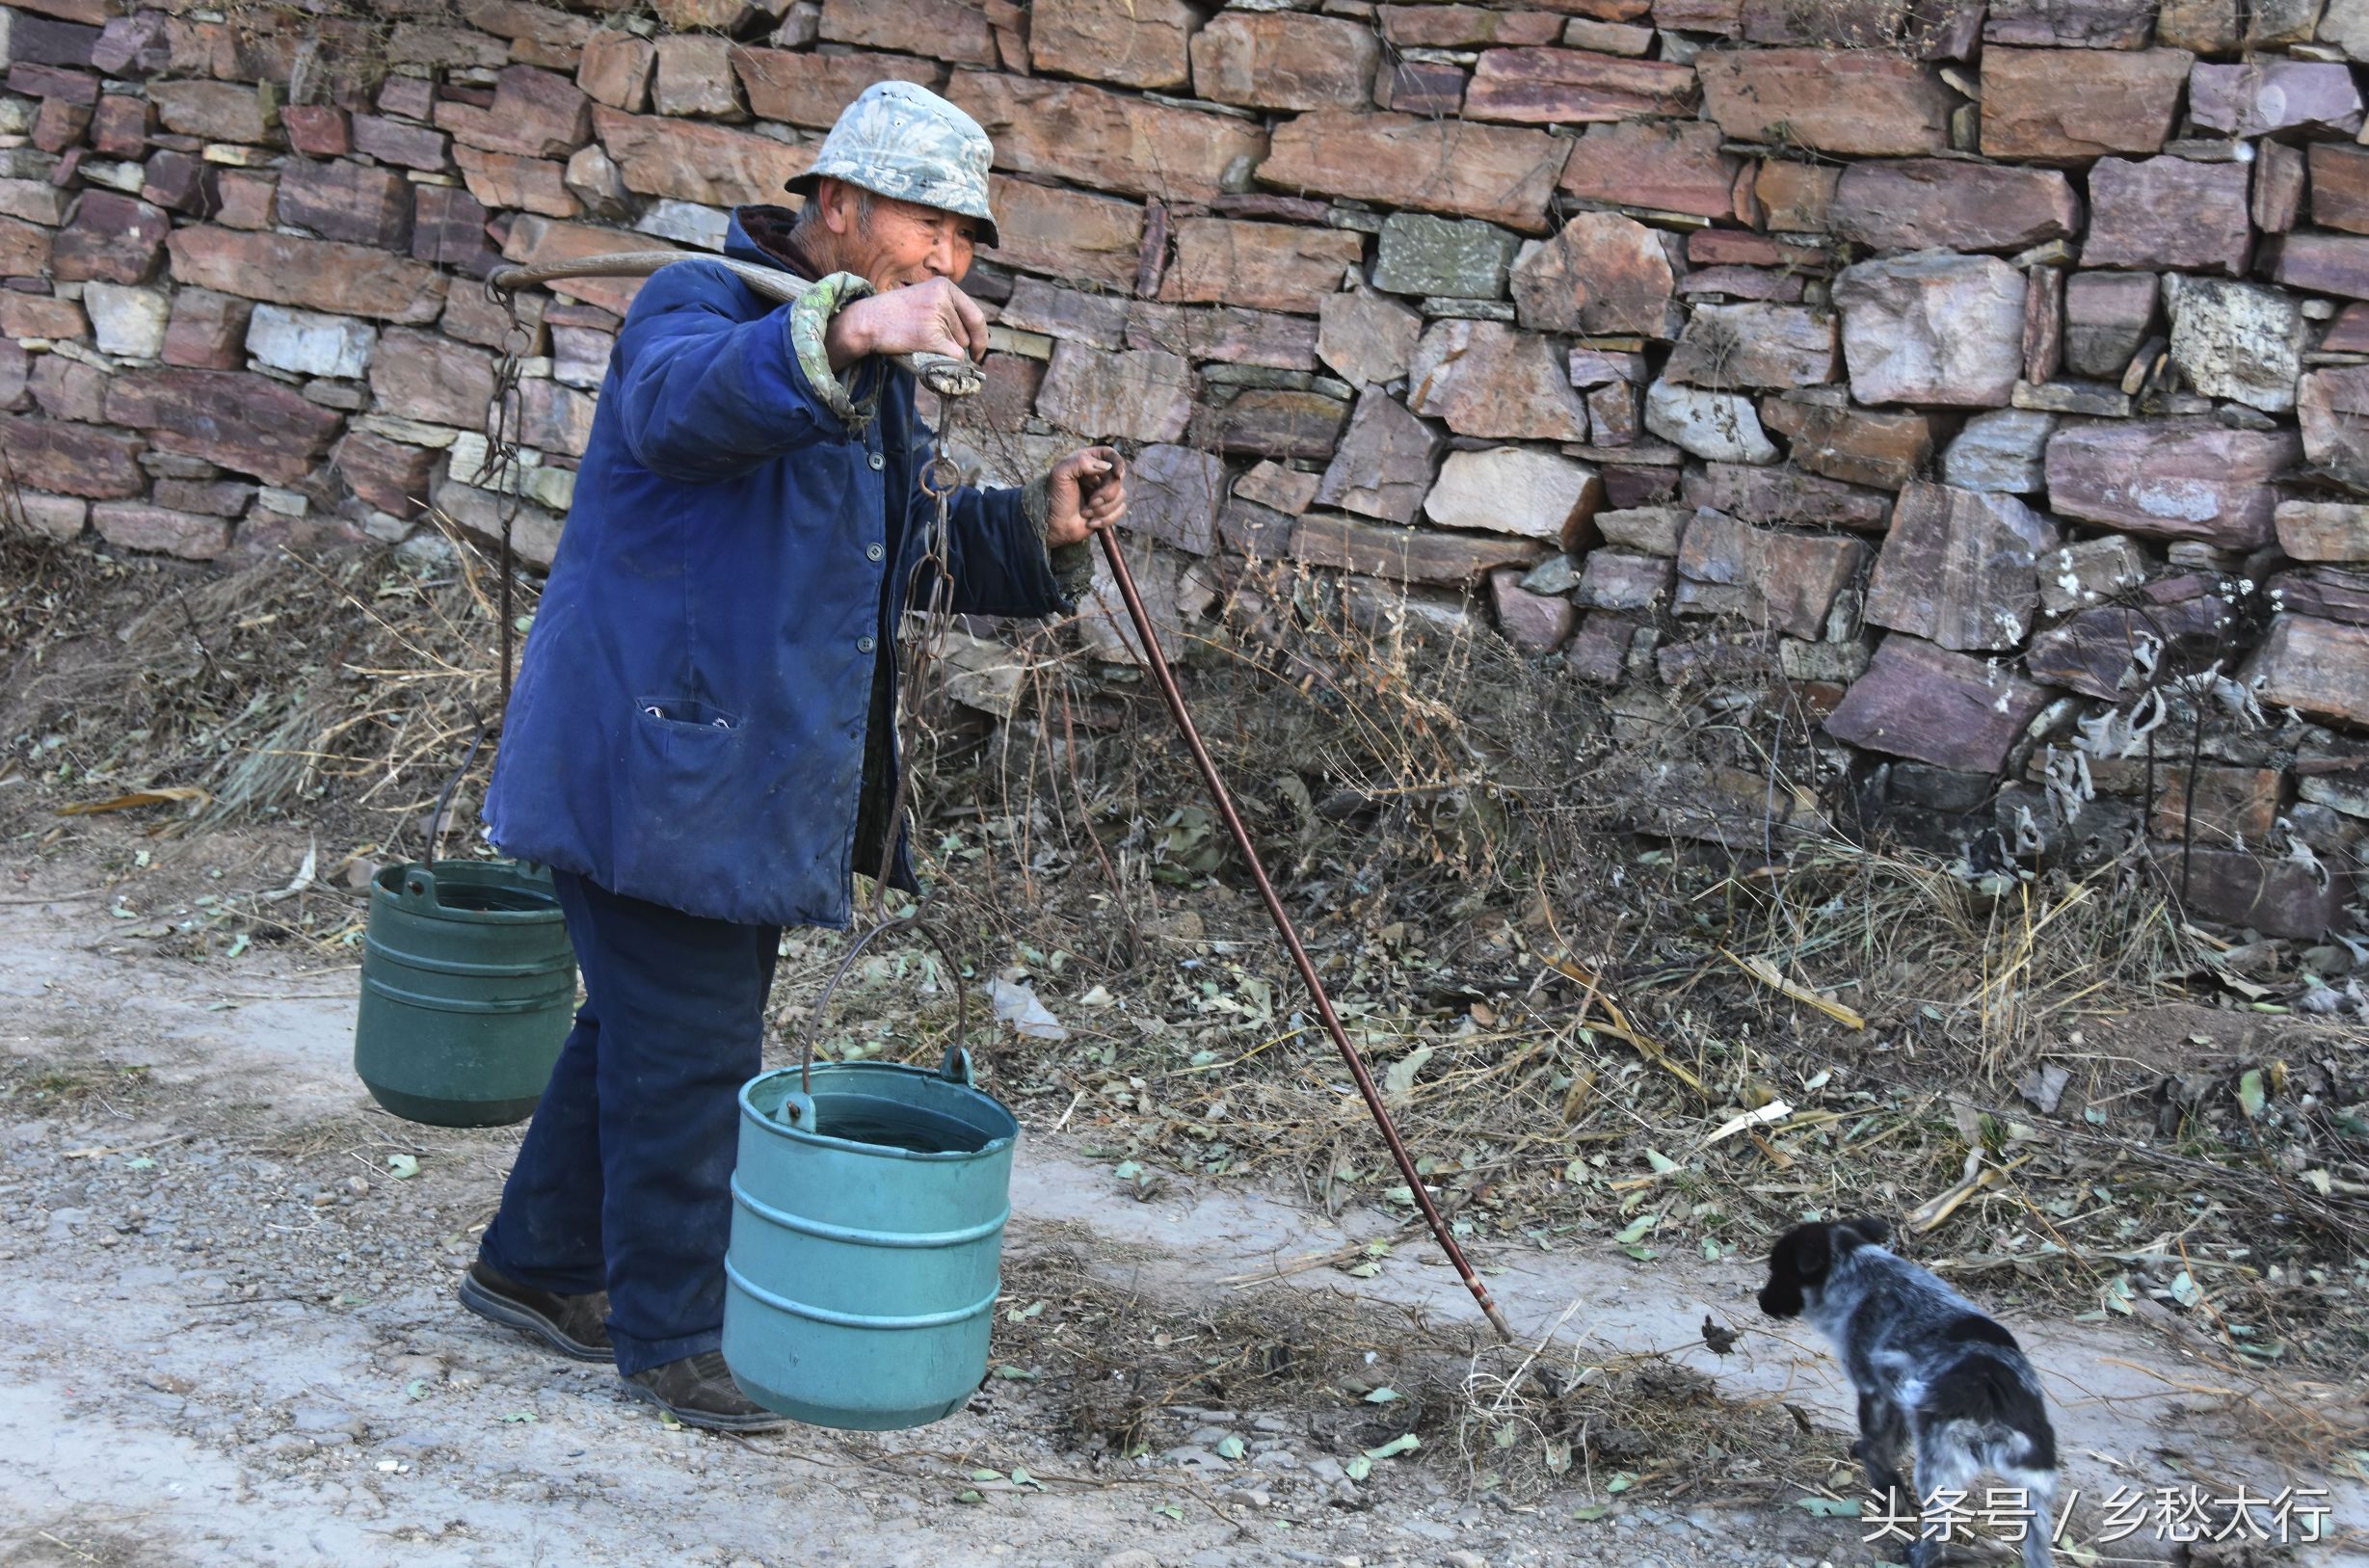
point(1157, 663)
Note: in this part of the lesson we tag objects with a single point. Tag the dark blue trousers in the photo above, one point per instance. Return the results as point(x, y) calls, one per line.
point(624, 1181)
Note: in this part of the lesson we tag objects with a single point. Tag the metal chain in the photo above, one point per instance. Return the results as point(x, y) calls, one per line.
point(501, 468)
point(937, 480)
point(502, 464)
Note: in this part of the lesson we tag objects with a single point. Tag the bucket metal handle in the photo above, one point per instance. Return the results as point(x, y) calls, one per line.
point(955, 1067)
point(444, 798)
point(419, 891)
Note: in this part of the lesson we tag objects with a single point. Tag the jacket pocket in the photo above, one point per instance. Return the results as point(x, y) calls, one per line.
point(685, 714)
point(682, 769)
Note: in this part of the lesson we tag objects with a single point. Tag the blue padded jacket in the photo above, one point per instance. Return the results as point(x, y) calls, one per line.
point(689, 721)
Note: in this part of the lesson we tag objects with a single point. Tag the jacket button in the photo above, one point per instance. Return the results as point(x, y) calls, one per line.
point(873, 552)
point(863, 645)
point(877, 462)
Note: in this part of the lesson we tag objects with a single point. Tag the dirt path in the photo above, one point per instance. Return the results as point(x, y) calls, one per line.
point(227, 1336)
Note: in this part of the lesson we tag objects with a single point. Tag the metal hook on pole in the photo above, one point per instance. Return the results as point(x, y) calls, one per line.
point(1157, 662)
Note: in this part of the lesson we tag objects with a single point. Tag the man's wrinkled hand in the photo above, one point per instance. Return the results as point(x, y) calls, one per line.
point(934, 317)
point(1088, 492)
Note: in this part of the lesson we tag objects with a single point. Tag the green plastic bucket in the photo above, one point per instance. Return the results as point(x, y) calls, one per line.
point(866, 1242)
point(467, 991)
point(866, 1247)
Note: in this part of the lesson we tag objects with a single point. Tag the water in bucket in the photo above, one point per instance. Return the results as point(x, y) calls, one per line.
point(887, 1124)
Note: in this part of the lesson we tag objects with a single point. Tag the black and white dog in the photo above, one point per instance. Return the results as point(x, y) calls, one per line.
point(1929, 1366)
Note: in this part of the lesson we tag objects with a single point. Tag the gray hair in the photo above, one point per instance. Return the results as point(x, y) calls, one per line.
point(810, 215)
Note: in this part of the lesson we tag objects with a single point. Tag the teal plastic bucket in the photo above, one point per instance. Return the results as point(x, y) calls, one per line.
point(866, 1242)
point(467, 991)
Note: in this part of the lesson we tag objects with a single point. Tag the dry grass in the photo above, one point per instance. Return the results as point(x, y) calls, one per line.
point(343, 689)
point(44, 1087)
point(1130, 1368)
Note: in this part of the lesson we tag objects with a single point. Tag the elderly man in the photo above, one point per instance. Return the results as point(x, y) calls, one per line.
point(701, 743)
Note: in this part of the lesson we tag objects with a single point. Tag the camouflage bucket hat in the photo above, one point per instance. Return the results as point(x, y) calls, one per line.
point(903, 141)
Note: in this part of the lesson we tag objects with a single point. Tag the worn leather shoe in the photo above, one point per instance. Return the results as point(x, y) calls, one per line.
point(699, 1391)
point(574, 1326)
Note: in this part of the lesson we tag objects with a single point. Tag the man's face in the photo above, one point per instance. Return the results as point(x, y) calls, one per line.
point(892, 243)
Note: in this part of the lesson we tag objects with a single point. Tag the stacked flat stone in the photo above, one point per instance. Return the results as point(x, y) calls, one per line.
point(1918, 358)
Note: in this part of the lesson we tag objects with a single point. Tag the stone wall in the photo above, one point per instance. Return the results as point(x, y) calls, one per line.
point(1964, 374)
